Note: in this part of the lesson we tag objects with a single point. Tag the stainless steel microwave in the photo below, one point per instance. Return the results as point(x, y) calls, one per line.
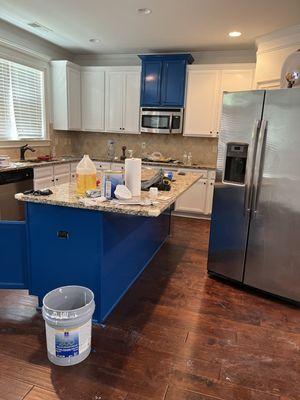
point(161, 120)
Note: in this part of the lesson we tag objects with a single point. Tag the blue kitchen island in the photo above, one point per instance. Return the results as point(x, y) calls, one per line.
point(103, 246)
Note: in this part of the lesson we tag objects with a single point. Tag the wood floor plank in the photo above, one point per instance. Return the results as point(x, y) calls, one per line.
point(41, 394)
point(12, 389)
point(176, 328)
point(175, 393)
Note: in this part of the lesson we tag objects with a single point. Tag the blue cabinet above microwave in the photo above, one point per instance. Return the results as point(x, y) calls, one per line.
point(163, 79)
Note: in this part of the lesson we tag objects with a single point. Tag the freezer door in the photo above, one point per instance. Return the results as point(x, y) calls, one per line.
point(241, 115)
point(273, 255)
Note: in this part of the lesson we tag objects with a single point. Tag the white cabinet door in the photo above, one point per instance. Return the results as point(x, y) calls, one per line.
point(43, 183)
point(209, 196)
point(92, 98)
point(66, 95)
point(194, 199)
point(131, 102)
point(114, 101)
point(59, 179)
point(233, 81)
point(74, 98)
point(72, 177)
point(201, 100)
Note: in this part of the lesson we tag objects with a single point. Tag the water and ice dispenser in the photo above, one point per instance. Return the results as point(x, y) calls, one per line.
point(235, 163)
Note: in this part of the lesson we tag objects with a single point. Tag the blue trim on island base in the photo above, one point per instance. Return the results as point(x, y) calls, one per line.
point(105, 252)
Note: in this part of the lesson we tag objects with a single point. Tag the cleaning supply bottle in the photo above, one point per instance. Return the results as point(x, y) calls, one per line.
point(86, 175)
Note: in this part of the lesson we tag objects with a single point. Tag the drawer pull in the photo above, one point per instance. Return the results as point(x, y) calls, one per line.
point(63, 235)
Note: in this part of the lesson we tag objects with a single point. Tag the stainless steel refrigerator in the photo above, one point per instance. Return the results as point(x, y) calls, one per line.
point(255, 228)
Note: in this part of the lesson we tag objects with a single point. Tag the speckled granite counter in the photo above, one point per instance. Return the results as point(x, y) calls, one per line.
point(28, 164)
point(64, 195)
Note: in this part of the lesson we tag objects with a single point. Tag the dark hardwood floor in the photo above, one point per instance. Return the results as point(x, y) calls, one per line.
point(177, 335)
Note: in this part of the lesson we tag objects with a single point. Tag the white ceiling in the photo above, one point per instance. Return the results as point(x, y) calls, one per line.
point(173, 25)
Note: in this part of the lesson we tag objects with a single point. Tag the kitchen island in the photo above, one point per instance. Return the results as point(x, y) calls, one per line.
point(103, 246)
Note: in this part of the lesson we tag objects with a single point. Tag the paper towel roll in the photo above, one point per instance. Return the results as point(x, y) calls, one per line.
point(133, 175)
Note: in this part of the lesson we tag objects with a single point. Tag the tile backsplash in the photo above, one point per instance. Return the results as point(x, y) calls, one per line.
point(204, 150)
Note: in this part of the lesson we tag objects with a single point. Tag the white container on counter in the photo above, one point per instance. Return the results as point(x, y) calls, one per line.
point(133, 175)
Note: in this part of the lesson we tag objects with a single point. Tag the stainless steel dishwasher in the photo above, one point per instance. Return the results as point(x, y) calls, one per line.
point(12, 182)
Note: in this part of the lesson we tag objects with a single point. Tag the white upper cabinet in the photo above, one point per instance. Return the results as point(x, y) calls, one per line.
point(122, 99)
point(233, 80)
point(66, 95)
point(131, 105)
point(114, 101)
point(201, 100)
point(205, 88)
point(92, 98)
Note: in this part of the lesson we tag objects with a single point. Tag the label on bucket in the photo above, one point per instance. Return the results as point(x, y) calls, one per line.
point(68, 342)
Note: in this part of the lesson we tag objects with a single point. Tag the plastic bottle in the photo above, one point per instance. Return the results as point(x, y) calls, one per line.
point(184, 158)
point(86, 175)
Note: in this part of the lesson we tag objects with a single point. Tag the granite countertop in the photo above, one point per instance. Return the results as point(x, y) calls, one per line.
point(15, 165)
point(64, 195)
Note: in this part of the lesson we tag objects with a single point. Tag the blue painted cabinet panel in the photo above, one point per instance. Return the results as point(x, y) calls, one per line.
point(129, 243)
point(163, 80)
point(151, 83)
point(173, 83)
point(65, 248)
point(13, 255)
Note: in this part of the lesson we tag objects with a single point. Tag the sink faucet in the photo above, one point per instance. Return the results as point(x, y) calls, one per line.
point(23, 149)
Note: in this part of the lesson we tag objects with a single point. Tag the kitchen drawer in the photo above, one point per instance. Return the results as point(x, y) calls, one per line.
point(211, 174)
point(43, 172)
point(202, 172)
point(102, 165)
point(61, 169)
point(117, 166)
point(73, 166)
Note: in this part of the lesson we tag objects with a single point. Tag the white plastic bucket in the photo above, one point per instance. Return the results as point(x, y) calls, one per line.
point(68, 312)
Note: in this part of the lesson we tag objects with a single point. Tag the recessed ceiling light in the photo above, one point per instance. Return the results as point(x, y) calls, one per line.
point(234, 34)
point(95, 41)
point(145, 11)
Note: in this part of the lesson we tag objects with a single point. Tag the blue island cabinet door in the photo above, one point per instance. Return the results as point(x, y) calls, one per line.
point(64, 249)
point(173, 83)
point(151, 83)
point(13, 255)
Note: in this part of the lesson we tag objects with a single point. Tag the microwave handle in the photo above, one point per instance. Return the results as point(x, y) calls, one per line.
point(170, 123)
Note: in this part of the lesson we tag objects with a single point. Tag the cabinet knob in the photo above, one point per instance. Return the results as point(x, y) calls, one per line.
point(210, 131)
point(56, 179)
point(52, 180)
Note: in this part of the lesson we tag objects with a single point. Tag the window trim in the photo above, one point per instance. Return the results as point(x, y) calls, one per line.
point(29, 61)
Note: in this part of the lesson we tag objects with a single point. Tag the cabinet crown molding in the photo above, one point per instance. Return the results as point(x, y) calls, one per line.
point(278, 39)
point(231, 66)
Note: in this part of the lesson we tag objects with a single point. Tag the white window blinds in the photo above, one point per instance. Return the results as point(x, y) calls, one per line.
point(22, 113)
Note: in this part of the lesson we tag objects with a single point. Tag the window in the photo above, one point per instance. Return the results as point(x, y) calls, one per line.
point(22, 108)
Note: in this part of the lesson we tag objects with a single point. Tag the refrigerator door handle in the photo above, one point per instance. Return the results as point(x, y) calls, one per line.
point(250, 166)
point(259, 164)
